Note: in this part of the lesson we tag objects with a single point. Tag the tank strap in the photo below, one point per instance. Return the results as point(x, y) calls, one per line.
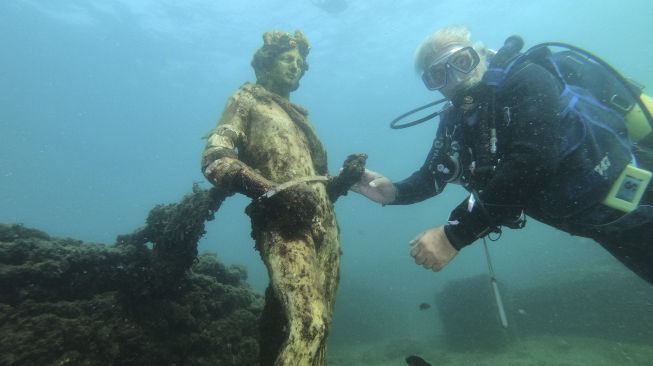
point(495, 76)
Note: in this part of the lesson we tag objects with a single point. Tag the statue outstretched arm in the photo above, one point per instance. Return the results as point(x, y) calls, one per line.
point(220, 162)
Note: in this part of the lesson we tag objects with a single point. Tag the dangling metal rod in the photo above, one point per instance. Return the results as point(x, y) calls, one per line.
point(495, 287)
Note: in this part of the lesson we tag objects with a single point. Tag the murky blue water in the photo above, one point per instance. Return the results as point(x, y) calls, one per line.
point(104, 103)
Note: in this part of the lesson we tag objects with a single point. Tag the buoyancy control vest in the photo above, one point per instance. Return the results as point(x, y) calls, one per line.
point(603, 112)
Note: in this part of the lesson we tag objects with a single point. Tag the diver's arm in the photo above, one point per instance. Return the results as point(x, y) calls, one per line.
point(220, 163)
point(376, 187)
point(530, 159)
point(417, 187)
point(422, 184)
point(428, 181)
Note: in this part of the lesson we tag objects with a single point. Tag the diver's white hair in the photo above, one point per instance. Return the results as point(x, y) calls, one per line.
point(434, 44)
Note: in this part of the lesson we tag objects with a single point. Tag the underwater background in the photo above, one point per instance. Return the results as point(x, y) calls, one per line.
point(104, 103)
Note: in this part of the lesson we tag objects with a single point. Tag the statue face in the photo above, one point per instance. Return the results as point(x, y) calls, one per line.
point(287, 70)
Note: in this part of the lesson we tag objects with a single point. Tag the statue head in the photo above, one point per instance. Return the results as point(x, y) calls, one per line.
point(281, 61)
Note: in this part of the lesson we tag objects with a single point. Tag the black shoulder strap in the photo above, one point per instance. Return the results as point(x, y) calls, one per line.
point(503, 62)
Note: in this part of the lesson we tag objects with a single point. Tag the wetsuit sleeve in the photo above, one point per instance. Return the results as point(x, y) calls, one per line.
point(529, 157)
point(416, 188)
point(424, 183)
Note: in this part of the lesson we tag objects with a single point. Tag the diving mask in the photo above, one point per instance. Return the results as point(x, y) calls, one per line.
point(457, 64)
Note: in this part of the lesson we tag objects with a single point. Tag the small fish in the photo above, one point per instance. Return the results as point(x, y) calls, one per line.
point(416, 361)
point(424, 306)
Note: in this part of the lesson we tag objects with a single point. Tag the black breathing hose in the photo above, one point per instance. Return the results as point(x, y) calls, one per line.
point(396, 126)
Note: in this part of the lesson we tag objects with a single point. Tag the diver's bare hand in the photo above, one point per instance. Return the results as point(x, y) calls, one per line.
point(432, 249)
point(376, 187)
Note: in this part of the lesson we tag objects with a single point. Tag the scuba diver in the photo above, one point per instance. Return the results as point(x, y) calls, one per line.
point(525, 139)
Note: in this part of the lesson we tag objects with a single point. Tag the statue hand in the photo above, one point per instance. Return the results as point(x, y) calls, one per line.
point(351, 172)
point(232, 175)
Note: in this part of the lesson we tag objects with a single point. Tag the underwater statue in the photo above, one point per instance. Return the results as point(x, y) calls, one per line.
point(266, 148)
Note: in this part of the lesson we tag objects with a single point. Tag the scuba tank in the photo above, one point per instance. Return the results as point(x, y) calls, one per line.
point(575, 66)
point(639, 128)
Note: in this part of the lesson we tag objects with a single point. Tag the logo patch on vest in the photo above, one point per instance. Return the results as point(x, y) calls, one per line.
point(603, 167)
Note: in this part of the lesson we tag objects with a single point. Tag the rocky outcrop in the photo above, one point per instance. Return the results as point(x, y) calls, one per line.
point(146, 300)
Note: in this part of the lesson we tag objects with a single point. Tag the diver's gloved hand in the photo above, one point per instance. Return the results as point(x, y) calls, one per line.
point(376, 187)
point(432, 249)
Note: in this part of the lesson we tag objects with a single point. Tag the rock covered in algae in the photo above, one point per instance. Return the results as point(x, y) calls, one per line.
point(65, 302)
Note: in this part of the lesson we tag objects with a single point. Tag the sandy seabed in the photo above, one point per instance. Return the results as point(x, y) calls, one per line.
point(541, 350)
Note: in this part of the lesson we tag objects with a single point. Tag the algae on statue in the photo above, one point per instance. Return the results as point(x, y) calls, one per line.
point(261, 142)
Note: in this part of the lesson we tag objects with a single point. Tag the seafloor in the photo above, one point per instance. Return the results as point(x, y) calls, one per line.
point(534, 350)
point(64, 302)
point(585, 317)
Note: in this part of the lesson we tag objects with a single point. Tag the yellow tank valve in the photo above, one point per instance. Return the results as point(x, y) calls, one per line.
point(637, 123)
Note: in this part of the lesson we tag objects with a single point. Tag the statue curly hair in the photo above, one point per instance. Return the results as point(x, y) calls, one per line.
point(274, 44)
